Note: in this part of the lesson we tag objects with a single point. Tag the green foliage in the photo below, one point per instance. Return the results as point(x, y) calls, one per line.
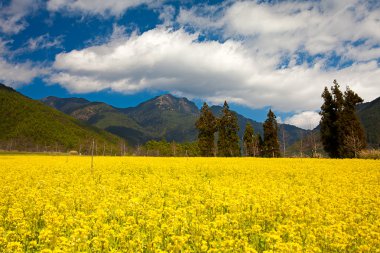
point(228, 141)
point(29, 125)
point(251, 141)
point(352, 134)
point(271, 147)
point(341, 131)
point(206, 125)
point(293, 133)
point(329, 128)
point(164, 148)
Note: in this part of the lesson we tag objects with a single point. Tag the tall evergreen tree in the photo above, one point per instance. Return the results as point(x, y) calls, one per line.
point(228, 141)
point(341, 131)
point(352, 132)
point(329, 128)
point(248, 140)
point(271, 146)
point(251, 141)
point(206, 125)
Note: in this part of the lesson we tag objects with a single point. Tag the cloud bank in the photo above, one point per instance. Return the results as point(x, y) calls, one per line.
point(175, 60)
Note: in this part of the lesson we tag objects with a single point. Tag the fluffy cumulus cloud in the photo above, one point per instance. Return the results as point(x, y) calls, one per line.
point(177, 61)
point(158, 59)
point(101, 7)
point(16, 74)
point(305, 120)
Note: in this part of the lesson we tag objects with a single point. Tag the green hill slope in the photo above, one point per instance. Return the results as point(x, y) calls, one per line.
point(103, 116)
point(163, 117)
point(30, 125)
point(369, 114)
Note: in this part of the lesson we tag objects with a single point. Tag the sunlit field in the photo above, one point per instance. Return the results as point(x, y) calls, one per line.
point(139, 204)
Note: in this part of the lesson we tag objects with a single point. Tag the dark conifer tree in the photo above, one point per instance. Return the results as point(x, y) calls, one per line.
point(271, 146)
point(352, 132)
point(341, 131)
point(206, 125)
point(228, 141)
point(248, 139)
point(329, 128)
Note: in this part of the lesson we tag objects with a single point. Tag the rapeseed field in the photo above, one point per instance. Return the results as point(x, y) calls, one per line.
point(141, 204)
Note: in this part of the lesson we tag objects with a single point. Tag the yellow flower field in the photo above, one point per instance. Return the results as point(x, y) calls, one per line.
point(139, 204)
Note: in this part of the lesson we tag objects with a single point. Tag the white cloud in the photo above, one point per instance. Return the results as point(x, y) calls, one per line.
point(44, 41)
point(203, 16)
point(101, 7)
point(167, 14)
point(16, 75)
point(318, 27)
point(305, 120)
point(157, 59)
point(176, 61)
point(12, 16)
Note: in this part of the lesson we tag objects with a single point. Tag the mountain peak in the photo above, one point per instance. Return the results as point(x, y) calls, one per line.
point(168, 97)
point(168, 102)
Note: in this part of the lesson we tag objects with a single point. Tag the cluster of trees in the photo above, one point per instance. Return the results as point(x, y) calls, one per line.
point(165, 148)
point(225, 130)
point(342, 133)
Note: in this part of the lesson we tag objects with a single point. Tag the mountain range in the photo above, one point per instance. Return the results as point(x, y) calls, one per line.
point(71, 123)
point(163, 117)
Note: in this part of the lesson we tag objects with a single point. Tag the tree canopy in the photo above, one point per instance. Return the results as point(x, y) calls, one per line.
point(271, 146)
point(342, 133)
point(206, 125)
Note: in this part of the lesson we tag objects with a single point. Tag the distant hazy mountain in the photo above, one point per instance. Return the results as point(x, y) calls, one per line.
point(30, 125)
point(163, 117)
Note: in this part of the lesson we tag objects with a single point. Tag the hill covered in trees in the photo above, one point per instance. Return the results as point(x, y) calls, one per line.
point(163, 117)
point(30, 125)
point(369, 115)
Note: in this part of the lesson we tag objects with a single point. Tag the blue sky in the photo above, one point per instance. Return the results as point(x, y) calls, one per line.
point(254, 54)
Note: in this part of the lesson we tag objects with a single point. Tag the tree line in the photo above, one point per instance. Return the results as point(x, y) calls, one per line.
point(219, 136)
point(340, 130)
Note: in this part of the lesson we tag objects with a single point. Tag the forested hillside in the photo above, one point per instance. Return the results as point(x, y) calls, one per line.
point(30, 125)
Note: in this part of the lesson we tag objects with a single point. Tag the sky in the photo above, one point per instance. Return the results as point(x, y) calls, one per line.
point(254, 54)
